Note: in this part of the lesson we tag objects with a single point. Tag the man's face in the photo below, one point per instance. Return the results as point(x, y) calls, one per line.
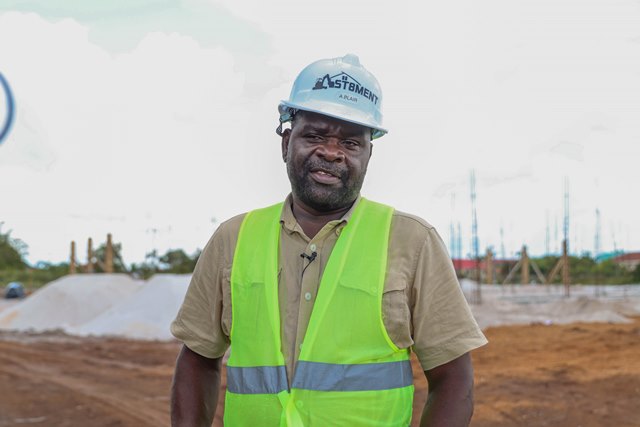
point(326, 160)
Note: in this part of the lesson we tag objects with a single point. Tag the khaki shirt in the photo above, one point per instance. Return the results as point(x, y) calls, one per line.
point(422, 306)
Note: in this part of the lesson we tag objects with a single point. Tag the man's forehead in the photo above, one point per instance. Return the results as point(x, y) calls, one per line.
point(310, 120)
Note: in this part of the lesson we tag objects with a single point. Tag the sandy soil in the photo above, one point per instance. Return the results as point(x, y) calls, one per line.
point(559, 375)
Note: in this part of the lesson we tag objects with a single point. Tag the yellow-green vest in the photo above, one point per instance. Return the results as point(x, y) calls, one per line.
point(349, 373)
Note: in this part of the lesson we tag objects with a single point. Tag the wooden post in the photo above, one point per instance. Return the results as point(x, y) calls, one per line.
point(554, 270)
point(512, 271)
point(108, 256)
point(489, 267)
point(524, 273)
point(72, 258)
point(478, 298)
point(90, 256)
point(565, 268)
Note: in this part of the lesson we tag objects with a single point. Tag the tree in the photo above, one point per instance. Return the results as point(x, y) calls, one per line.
point(178, 262)
point(636, 274)
point(12, 251)
point(174, 261)
point(100, 255)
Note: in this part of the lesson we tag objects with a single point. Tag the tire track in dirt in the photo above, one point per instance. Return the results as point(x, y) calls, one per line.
point(119, 388)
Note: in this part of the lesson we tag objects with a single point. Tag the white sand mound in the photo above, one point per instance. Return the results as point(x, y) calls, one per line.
point(69, 301)
point(147, 314)
point(539, 304)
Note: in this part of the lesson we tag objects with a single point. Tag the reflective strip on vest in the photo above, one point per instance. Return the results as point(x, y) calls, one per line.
point(336, 377)
point(320, 377)
point(257, 379)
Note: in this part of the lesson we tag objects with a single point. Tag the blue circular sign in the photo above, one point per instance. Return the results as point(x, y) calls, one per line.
point(5, 124)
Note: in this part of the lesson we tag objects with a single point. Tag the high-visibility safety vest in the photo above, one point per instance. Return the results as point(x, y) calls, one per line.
point(349, 373)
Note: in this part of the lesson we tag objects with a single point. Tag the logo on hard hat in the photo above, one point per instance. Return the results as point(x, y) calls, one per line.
point(343, 80)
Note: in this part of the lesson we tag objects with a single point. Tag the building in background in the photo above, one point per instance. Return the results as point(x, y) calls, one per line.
point(629, 260)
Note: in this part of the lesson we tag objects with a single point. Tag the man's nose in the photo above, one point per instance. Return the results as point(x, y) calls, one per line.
point(331, 151)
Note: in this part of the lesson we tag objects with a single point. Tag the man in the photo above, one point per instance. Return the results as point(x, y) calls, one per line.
point(323, 296)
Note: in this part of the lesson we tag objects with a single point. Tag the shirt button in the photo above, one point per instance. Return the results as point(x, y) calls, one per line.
point(312, 247)
point(307, 296)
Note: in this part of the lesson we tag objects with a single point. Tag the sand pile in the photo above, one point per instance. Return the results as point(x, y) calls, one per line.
point(145, 314)
point(69, 301)
point(539, 304)
point(584, 309)
point(116, 305)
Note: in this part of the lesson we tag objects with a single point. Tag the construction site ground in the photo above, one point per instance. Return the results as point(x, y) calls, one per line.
point(579, 374)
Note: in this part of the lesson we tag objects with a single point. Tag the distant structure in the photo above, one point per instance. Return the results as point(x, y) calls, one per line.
point(89, 267)
point(547, 237)
point(630, 260)
point(565, 223)
point(613, 237)
point(596, 240)
point(524, 265)
point(475, 245)
point(459, 254)
point(468, 267)
point(565, 242)
point(452, 229)
point(557, 248)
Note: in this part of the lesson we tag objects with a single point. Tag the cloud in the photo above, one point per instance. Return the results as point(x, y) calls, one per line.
point(570, 150)
point(119, 26)
point(33, 150)
point(163, 112)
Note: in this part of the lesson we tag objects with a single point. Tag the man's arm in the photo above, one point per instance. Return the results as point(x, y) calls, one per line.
point(450, 400)
point(194, 392)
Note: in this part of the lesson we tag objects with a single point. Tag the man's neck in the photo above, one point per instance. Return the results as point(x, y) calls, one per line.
point(312, 220)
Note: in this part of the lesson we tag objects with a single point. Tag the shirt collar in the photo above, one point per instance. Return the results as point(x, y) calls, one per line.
point(289, 221)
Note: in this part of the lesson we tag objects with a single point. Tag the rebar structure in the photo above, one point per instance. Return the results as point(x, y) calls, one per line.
point(547, 237)
point(474, 239)
point(565, 243)
point(452, 230)
point(459, 247)
point(596, 251)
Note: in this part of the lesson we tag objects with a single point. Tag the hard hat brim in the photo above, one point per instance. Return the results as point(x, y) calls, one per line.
point(323, 110)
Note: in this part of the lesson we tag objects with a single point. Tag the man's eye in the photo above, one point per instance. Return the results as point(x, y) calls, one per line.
point(314, 137)
point(351, 143)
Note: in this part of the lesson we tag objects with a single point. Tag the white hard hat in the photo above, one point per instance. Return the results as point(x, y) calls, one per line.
point(339, 88)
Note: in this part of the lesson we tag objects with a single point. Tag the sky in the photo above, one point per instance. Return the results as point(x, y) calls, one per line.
point(154, 120)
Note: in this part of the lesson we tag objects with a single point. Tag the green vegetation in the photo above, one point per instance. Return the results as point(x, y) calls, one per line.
point(14, 268)
point(583, 270)
point(174, 261)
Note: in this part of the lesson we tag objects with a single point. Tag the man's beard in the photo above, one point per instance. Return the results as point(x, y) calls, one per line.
point(324, 197)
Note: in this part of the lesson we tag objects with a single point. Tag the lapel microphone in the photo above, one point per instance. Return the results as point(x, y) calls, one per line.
point(311, 257)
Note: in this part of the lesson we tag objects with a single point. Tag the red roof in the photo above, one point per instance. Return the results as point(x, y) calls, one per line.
point(468, 264)
point(631, 256)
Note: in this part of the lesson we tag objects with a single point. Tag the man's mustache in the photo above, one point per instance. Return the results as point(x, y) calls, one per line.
point(332, 168)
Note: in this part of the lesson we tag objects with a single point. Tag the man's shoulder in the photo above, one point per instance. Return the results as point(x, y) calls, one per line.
point(410, 233)
point(224, 238)
point(227, 232)
point(411, 222)
point(231, 226)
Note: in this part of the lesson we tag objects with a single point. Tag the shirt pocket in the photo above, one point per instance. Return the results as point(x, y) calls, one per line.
point(227, 312)
point(396, 314)
point(359, 286)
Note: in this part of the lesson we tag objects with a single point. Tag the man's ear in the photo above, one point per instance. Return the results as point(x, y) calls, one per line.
point(286, 134)
point(370, 149)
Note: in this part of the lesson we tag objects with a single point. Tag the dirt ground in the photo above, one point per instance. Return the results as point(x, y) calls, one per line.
point(580, 374)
